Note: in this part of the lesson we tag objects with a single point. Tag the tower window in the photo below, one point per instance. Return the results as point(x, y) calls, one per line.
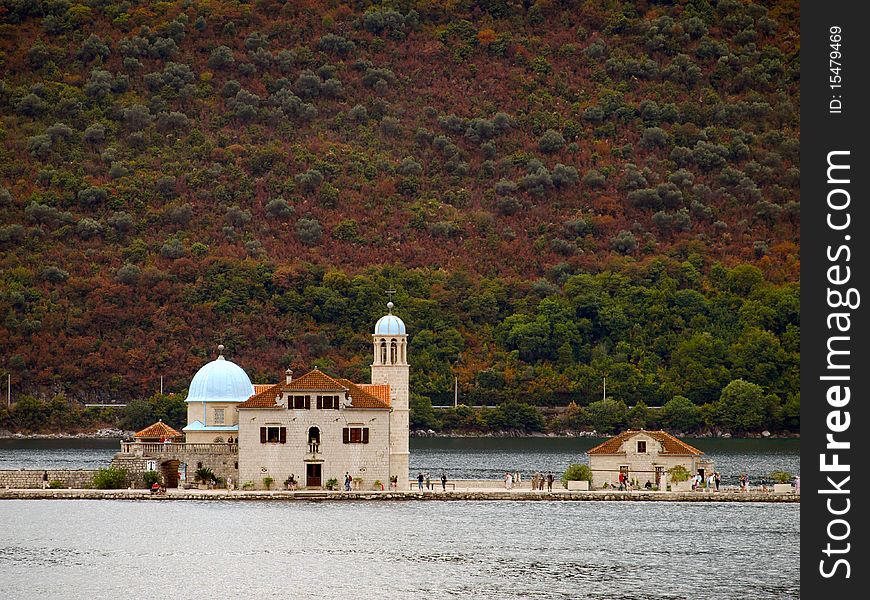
point(641, 447)
point(383, 352)
point(218, 416)
point(393, 353)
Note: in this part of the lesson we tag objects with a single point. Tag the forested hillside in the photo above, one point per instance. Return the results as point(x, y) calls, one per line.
point(559, 191)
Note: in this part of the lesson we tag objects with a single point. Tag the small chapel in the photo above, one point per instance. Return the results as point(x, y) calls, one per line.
point(309, 428)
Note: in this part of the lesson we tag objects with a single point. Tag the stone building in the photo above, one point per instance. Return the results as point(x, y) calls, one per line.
point(643, 456)
point(314, 427)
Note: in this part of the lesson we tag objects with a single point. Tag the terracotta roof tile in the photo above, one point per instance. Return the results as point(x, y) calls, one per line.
point(262, 387)
point(158, 430)
point(263, 399)
point(670, 444)
point(363, 399)
point(381, 392)
point(314, 381)
point(364, 395)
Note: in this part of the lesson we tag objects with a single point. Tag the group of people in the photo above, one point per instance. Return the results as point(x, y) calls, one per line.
point(421, 477)
point(539, 479)
point(713, 481)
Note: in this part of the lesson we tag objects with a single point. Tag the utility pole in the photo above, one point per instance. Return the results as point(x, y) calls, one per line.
point(161, 385)
point(455, 391)
point(9, 390)
point(605, 388)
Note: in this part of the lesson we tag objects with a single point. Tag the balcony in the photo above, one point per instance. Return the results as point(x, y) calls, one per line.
point(152, 448)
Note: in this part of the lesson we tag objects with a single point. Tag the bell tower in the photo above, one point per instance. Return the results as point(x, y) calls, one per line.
point(390, 366)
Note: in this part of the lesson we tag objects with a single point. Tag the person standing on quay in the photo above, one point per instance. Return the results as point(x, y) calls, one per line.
point(420, 480)
point(428, 481)
point(549, 481)
point(443, 481)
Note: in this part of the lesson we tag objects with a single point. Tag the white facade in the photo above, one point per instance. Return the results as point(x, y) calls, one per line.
point(314, 427)
point(390, 367)
point(643, 456)
point(313, 446)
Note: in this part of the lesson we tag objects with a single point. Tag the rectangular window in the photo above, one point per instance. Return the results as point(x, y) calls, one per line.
point(327, 402)
point(641, 447)
point(273, 434)
point(301, 402)
point(355, 435)
point(218, 416)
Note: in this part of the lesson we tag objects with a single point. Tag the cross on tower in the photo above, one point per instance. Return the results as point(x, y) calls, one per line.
point(390, 294)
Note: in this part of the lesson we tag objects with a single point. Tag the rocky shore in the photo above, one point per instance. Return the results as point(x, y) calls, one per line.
point(106, 433)
point(515, 433)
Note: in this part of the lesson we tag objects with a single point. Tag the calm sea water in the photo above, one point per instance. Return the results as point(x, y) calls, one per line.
point(461, 458)
point(566, 550)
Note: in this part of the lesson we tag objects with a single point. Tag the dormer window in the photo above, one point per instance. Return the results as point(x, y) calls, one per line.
point(327, 402)
point(641, 447)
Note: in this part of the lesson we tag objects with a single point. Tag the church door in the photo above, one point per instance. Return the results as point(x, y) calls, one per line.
point(312, 475)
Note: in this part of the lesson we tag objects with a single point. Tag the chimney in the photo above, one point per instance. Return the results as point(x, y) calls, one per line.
point(289, 374)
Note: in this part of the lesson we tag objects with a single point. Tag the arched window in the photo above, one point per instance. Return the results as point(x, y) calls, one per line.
point(383, 352)
point(314, 435)
point(394, 356)
point(314, 440)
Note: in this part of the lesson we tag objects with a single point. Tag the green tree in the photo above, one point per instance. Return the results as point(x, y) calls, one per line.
point(608, 416)
point(422, 415)
point(681, 415)
point(741, 407)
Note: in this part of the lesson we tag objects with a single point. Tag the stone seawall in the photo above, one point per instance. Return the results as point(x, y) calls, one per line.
point(480, 495)
point(33, 478)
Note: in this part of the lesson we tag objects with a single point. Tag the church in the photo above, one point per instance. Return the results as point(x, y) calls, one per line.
point(314, 427)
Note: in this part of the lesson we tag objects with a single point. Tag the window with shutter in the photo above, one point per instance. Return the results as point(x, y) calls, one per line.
point(308, 402)
point(262, 435)
point(283, 435)
point(319, 402)
point(365, 435)
point(345, 435)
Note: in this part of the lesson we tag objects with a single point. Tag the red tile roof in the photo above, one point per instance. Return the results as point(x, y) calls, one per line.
point(670, 444)
point(315, 381)
point(381, 392)
point(363, 396)
point(363, 399)
point(263, 399)
point(261, 387)
point(158, 430)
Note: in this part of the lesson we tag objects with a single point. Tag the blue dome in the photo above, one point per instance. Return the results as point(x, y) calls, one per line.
point(389, 325)
point(220, 381)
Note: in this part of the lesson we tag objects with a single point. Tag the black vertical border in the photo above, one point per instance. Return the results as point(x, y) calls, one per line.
point(821, 133)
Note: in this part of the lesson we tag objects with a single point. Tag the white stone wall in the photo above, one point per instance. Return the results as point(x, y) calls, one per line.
point(396, 376)
point(370, 462)
point(641, 466)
